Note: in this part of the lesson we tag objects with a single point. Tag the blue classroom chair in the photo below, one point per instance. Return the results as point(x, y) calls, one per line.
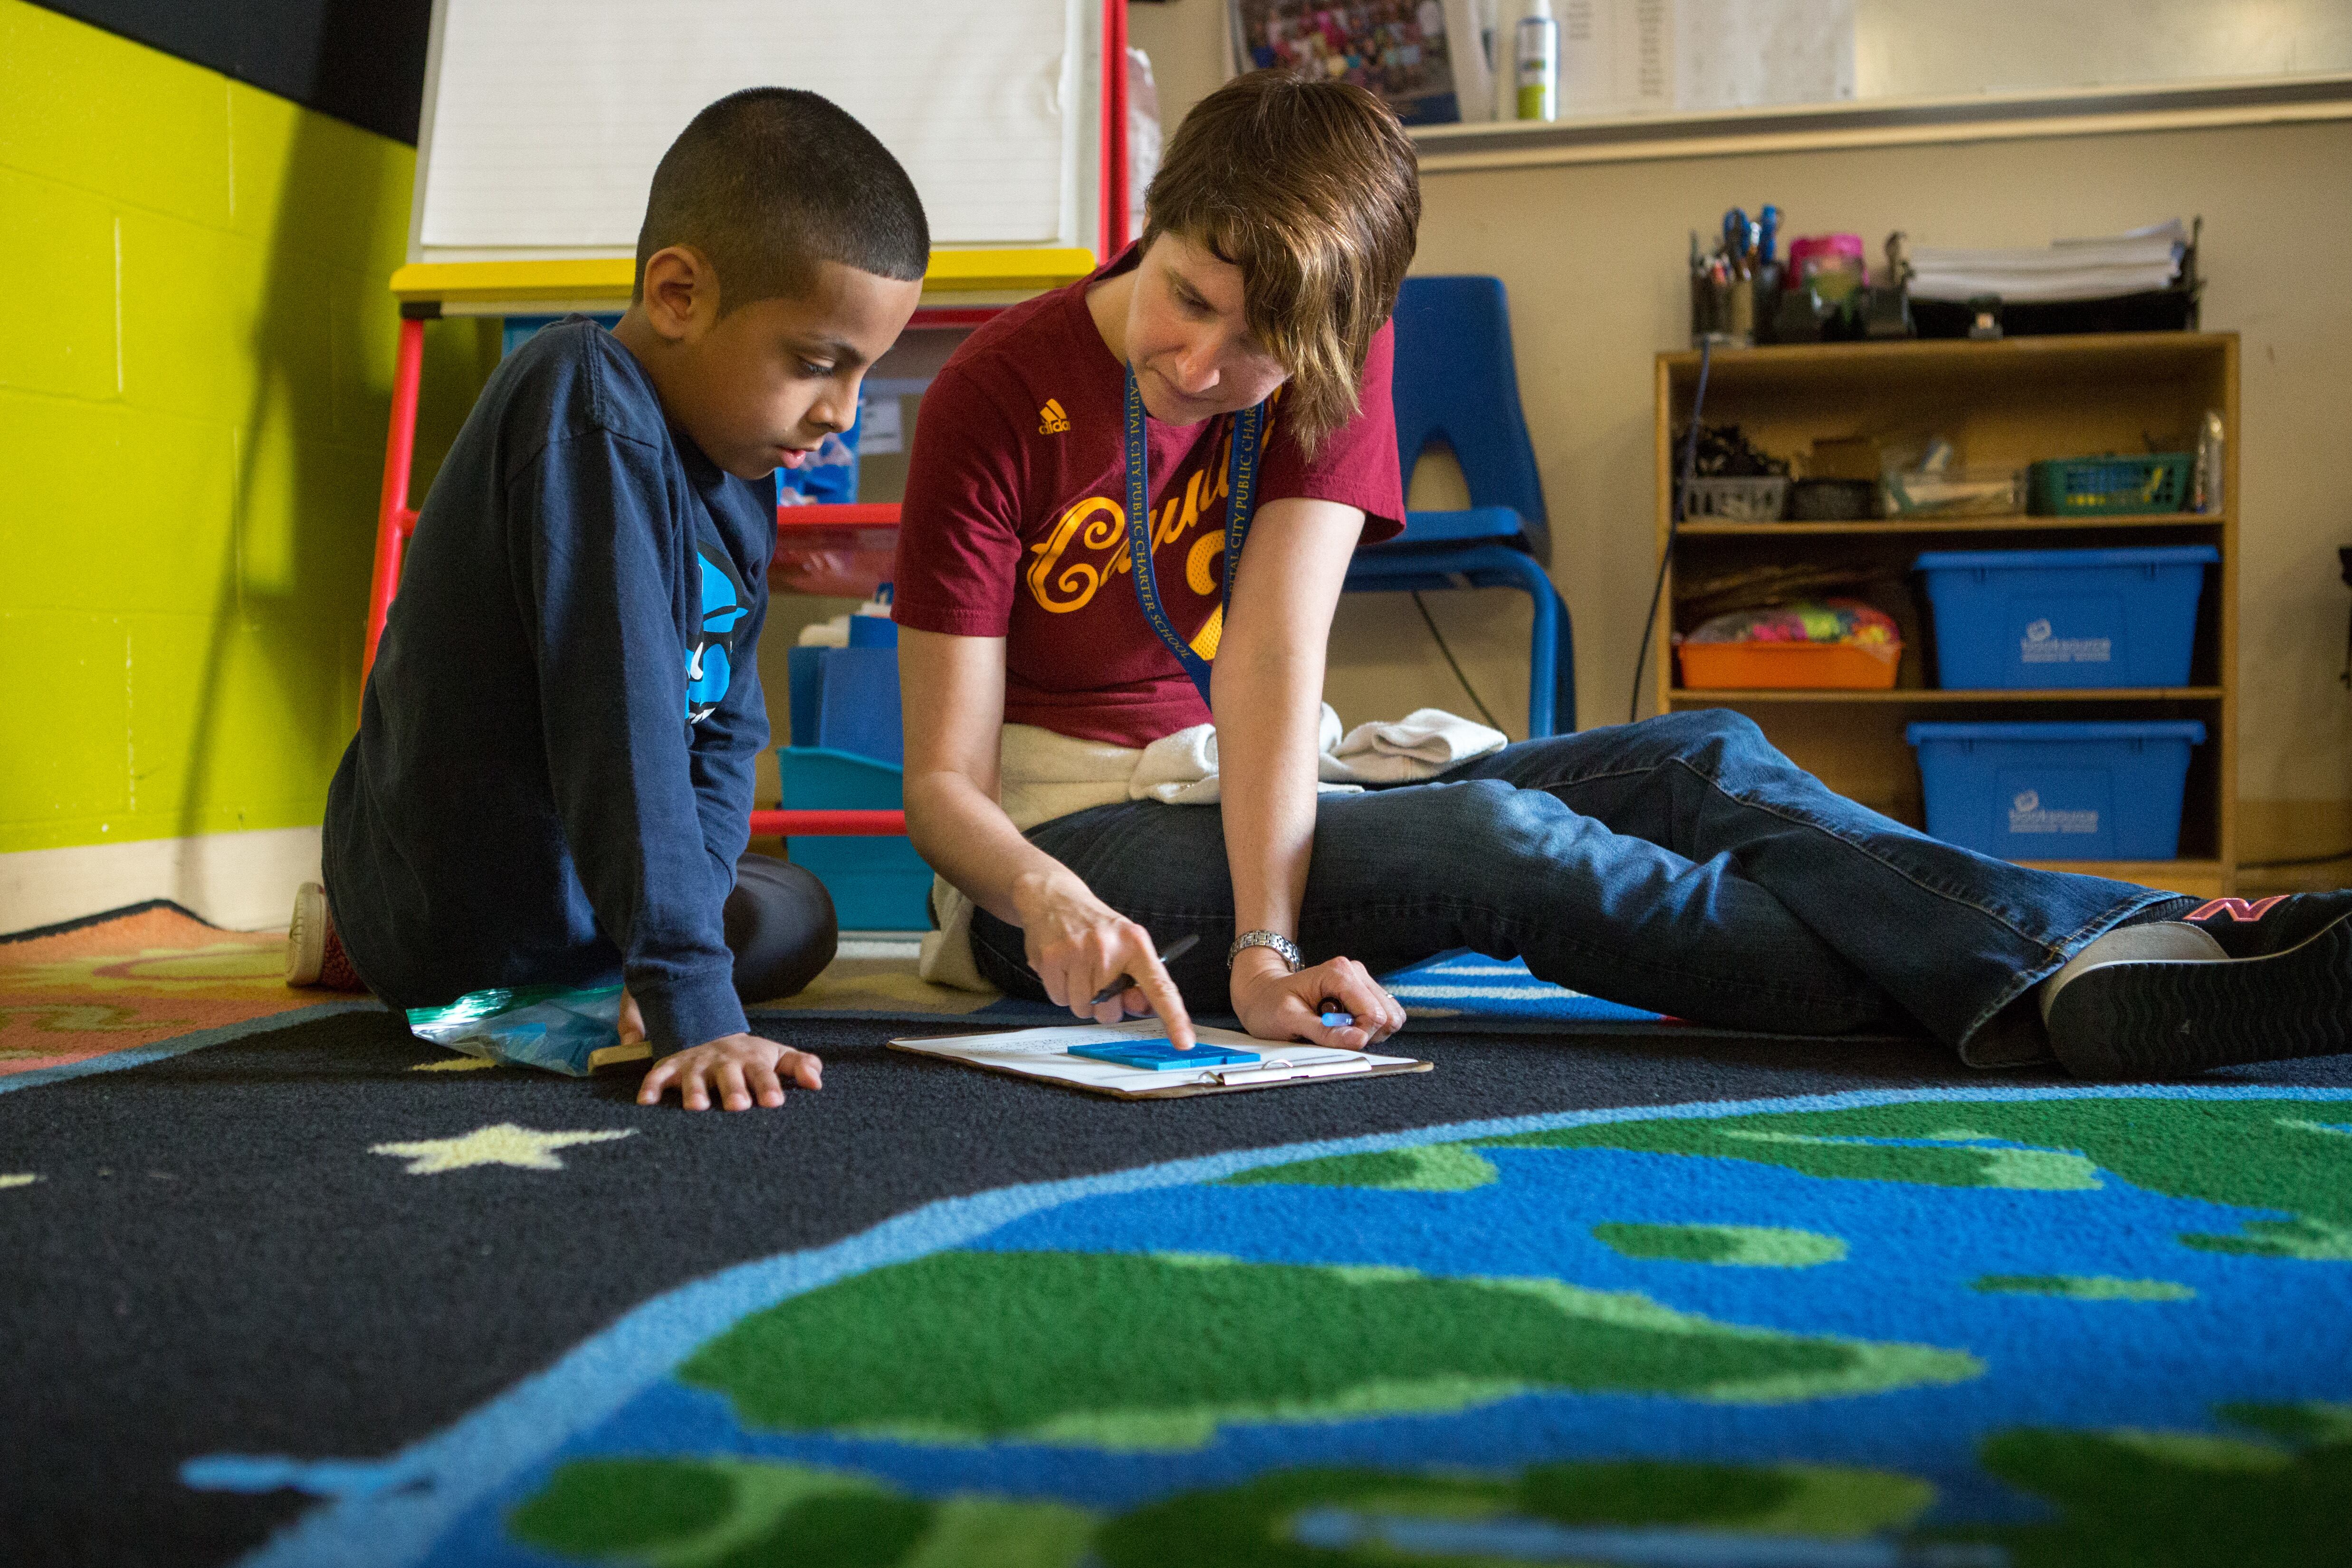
point(1455, 382)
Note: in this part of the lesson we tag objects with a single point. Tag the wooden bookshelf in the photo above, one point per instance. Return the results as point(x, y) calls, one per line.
point(2006, 402)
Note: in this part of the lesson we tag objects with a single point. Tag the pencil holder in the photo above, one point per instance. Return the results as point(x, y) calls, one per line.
point(1723, 311)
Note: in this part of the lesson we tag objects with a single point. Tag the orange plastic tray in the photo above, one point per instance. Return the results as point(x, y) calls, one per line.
point(1789, 666)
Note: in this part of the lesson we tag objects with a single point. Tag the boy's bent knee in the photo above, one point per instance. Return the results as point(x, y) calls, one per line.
point(780, 927)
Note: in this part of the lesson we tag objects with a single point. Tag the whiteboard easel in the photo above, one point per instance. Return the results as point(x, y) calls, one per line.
point(543, 119)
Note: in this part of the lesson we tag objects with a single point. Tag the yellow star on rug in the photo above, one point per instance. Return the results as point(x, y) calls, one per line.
point(504, 1144)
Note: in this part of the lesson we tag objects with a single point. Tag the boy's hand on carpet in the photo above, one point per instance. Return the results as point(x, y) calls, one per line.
point(737, 1070)
point(1274, 1005)
point(631, 1020)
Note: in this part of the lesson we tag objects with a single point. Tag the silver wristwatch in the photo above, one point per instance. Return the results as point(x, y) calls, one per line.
point(1273, 939)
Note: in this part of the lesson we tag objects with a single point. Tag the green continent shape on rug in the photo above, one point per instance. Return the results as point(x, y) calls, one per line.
point(2128, 1499)
point(721, 1513)
point(2312, 1240)
point(1737, 1245)
point(1132, 1352)
point(2184, 1499)
point(1257, 1524)
point(718, 1513)
point(2083, 1287)
point(1430, 1168)
point(2248, 1154)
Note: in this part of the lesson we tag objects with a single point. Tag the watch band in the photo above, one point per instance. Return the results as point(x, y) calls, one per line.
point(1273, 939)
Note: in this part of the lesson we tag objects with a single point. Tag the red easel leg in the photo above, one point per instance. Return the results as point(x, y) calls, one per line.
point(394, 520)
point(1114, 234)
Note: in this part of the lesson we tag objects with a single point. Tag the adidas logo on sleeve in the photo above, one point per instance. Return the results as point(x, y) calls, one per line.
point(1052, 420)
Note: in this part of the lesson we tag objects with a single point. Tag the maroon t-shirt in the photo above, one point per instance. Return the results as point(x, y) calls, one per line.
point(1014, 523)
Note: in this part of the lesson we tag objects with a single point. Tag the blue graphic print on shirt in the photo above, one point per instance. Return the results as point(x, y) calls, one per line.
point(709, 662)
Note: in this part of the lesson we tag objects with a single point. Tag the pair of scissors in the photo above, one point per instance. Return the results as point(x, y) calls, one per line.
point(1739, 242)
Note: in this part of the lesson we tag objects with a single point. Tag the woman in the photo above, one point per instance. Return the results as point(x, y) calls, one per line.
point(1063, 606)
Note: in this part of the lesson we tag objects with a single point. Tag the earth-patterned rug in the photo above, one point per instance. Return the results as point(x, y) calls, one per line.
point(1940, 1328)
point(1663, 1297)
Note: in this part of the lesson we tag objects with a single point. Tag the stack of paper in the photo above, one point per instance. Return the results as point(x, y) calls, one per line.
point(2131, 263)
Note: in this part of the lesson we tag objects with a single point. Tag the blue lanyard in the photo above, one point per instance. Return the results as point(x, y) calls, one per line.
point(1240, 483)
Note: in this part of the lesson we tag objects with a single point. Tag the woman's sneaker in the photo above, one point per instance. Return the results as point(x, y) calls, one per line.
point(2232, 981)
point(314, 953)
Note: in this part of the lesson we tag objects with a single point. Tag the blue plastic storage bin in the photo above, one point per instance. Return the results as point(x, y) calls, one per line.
point(2104, 790)
point(846, 698)
point(877, 884)
point(2013, 620)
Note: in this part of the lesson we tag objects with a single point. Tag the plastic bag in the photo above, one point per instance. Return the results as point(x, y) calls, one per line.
point(570, 1032)
point(1804, 621)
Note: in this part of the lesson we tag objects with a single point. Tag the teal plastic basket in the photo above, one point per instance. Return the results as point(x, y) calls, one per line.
point(2097, 486)
point(877, 883)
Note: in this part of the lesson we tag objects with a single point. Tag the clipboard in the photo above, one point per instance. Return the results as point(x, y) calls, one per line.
point(1043, 1055)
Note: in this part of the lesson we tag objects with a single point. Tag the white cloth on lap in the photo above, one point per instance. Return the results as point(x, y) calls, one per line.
point(1423, 743)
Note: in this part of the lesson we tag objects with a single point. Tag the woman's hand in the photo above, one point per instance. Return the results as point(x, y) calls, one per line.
point(1274, 1005)
point(1079, 944)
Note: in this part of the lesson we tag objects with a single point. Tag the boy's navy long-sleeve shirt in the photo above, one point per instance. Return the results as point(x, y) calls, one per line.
point(552, 777)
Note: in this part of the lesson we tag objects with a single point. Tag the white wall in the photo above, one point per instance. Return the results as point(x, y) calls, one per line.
point(1934, 49)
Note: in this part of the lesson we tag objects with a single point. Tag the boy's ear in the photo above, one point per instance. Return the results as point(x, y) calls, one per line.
point(681, 292)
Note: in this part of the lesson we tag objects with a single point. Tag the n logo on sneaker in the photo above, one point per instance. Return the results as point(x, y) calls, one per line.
point(2236, 909)
point(1052, 420)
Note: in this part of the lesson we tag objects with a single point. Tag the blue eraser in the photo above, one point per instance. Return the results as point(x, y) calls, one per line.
point(1160, 1055)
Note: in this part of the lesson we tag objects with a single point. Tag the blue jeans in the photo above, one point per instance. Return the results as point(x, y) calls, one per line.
point(1682, 865)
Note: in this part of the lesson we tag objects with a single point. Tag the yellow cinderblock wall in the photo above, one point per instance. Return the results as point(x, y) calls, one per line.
point(195, 369)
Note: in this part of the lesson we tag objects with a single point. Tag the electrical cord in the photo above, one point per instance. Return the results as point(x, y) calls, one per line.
point(1673, 530)
point(1429, 621)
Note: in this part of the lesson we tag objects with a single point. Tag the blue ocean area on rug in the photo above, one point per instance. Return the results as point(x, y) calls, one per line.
point(1955, 1328)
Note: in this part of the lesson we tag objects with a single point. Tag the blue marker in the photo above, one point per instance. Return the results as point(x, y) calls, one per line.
point(1333, 1016)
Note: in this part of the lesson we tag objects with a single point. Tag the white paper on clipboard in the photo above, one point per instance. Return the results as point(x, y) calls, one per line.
point(1045, 1054)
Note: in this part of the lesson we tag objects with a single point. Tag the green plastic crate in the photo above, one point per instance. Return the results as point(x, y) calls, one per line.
point(2096, 487)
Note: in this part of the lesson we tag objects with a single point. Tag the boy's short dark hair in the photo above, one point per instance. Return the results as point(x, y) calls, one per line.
point(772, 181)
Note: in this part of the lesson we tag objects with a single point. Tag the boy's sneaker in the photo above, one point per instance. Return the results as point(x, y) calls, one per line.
point(314, 953)
point(2232, 981)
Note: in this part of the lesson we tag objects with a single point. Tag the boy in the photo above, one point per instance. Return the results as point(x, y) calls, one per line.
point(553, 776)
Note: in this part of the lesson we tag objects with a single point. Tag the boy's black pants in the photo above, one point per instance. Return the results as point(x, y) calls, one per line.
point(779, 927)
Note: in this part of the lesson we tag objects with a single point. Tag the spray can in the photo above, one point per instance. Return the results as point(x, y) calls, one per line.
point(1537, 54)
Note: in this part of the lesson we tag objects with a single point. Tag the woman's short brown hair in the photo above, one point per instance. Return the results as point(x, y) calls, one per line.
point(1310, 186)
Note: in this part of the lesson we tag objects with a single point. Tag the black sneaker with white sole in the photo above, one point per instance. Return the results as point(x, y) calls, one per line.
point(2230, 982)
